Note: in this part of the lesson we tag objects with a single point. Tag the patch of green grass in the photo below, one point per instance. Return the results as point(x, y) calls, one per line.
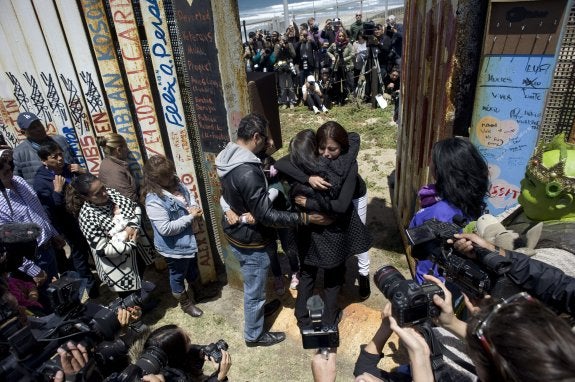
point(371, 124)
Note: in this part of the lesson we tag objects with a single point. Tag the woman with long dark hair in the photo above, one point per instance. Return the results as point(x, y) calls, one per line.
point(172, 211)
point(461, 185)
point(172, 346)
point(95, 206)
point(326, 247)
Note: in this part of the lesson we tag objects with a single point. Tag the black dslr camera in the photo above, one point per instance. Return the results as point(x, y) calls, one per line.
point(17, 241)
point(368, 28)
point(214, 351)
point(429, 240)
point(318, 336)
point(411, 303)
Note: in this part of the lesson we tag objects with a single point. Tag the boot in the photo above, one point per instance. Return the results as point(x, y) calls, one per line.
point(364, 288)
point(187, 305)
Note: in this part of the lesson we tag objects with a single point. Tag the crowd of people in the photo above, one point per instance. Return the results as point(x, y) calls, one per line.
point(328, 66)
point(314, 201)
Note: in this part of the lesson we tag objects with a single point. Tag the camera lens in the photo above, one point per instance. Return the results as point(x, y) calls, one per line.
point(387, 278)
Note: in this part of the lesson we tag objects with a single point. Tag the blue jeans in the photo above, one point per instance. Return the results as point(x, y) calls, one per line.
point(254, 264)
point(180, 269)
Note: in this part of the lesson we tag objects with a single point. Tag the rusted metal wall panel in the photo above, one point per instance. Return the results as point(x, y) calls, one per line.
point(438, 76)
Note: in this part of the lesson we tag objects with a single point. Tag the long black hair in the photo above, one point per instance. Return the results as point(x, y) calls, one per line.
point(303, 151)
point(80, 190)
point(461, 174)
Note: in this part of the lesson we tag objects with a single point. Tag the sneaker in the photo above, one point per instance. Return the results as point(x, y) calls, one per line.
point(324, 109)
point(284, 107)
point(291, 106)
point(279, 285)
point(315, 109)
point(294, 281)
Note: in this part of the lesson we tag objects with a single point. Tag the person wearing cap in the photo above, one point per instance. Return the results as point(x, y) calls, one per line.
point(26, 159)
point(356, 28)
point(311, 95)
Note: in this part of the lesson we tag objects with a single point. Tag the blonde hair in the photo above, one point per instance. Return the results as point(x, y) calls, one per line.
point(110, 142)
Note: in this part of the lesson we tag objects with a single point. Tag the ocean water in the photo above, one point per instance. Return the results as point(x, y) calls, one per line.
point(269, 14)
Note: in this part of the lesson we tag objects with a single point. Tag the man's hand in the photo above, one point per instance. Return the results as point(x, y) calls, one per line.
point(59, 182)
point(248, 218)
point(318, 183)
point(465, 241)
point(232, 217)
point(129, 315)
point(319, 219)
point(76, 168)
point(72, 358)
point(418, 351)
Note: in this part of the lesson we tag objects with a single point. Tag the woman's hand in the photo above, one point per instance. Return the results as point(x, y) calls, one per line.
point(72, 358)
point(224, 365)
point(418, 351)
point(195, 211)
point(447, 318)
point(318, 183)
point(132, 233)
point(59, 182)
point(300, 200)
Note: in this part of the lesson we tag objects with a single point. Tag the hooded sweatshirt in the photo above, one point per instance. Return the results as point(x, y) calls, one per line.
point(244, 187)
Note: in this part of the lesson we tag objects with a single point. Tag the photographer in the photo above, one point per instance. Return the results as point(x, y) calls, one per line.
point(391, 84)
point(543, 281)
point(311, 95)
point(516, 339)
point(285, 54)
point(170, 347)
point(419, 354)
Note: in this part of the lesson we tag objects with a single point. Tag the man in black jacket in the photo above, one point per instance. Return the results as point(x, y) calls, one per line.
point(244, 188)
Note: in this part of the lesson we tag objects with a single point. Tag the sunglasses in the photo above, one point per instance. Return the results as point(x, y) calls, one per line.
point(482, 325)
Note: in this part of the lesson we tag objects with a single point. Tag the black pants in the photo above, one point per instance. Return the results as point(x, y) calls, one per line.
point(313, 100)
point(332, 281)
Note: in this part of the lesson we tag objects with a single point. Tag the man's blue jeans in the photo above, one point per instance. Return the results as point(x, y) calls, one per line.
point(180, 269)
point(254, 264)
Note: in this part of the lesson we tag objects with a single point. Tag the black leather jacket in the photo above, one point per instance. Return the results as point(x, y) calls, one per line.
point(245, 189)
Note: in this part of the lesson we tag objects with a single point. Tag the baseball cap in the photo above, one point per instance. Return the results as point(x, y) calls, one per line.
point(25, 119)
point(310, 78)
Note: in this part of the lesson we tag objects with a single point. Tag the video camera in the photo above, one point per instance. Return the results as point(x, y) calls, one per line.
point(411, 303)
point(319, 335)
point(429, 240)
point(368, 28)
point(32, 346)
point(17, 241)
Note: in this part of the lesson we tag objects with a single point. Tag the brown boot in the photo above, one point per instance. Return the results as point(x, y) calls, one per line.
point(187, 305)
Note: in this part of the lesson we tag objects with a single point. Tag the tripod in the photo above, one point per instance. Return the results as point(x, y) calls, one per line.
point(375, 81)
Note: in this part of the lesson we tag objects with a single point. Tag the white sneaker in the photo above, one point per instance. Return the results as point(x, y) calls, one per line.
point(315, 109)
point(294, 281)
point(291, 106)
point(324, 109)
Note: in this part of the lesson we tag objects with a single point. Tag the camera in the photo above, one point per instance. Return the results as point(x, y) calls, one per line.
point(368, 28)
point(214, 350)
point(411, 303)
point(314, 29)
point(32, 346)
point(17, 241)
point(430, 240)
point(319, 335)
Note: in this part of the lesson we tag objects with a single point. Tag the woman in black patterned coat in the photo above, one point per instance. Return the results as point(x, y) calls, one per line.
point(96, 207)
point(326, 247)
